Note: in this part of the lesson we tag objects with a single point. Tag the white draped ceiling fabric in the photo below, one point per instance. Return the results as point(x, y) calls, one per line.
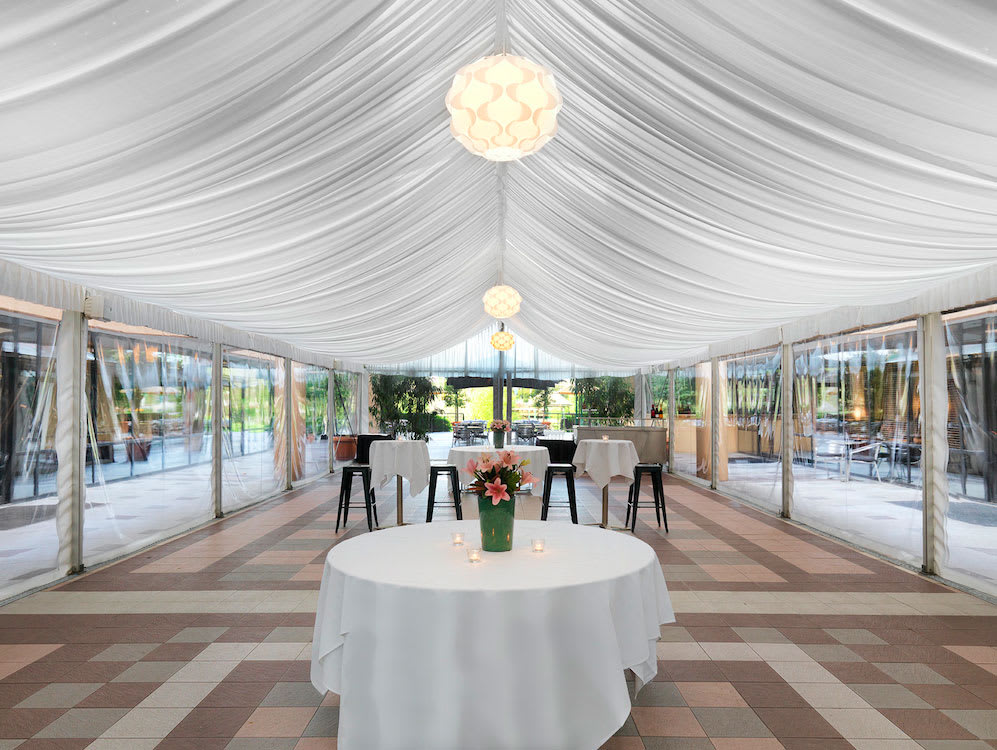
point(721, 169)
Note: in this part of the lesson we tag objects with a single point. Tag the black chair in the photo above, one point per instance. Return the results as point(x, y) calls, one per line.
point(633, 499)
point(434, 473)
point(363, 445)
point(568, 470)
point(561, 451)
point(345, 489)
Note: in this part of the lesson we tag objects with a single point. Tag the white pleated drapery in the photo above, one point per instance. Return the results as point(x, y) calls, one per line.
point(720, 169)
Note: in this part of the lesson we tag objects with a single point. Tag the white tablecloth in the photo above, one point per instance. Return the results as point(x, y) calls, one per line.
point(523, 650)
point(539, 458)
point(409, 458)
point(604, 459)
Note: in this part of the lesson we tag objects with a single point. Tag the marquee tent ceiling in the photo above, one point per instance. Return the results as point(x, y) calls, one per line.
point(285, 167)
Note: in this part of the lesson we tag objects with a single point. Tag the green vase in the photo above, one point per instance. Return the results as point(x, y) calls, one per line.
point(498, 438)
point(496, 523)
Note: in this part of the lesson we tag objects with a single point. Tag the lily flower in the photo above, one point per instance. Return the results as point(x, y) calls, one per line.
point(496, 491)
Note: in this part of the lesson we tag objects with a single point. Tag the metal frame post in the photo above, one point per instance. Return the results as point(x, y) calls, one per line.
point(714, 421)
point(70, 438)
point(934, 449)
point(217, 428)
point(671, 421)
point(331, 418)
point(787, 370)
point(288, 422)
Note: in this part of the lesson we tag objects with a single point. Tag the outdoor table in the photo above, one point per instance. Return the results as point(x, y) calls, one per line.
point(407, 459)
point(604, 459)
point(538, 455)
point(521, 650)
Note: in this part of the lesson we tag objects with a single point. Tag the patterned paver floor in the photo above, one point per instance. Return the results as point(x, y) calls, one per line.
point(784, 639)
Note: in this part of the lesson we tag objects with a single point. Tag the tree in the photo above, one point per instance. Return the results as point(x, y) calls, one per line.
point(399, 397)
point(607, 396)
point(454, 397)
point(542, 398)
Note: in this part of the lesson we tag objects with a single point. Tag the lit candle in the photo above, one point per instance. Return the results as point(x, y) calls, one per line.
point(538, 545)
point(457, 538)
point(605, 437)
point(474, 556)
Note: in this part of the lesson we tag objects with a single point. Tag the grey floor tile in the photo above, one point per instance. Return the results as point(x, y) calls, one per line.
point(889, 696)
point(731, 722)
point(761, 635)
point(659, 694)
point(290, 635)
point(677, 743)
point(855, 636)
point(261, 743)
point(325, 723)
point(629, 729)
point(982, 723)
point(60, 695)
point(125, 652)
point(82, 723)
point(675, 634)
point(289, 694)
point(912, 673)
point(198, 635)
point(150, 671)
point(829, 652)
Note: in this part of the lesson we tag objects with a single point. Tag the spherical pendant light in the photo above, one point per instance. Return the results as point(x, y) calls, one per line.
point(502, 301)
point(503, 107)
point(503, 340)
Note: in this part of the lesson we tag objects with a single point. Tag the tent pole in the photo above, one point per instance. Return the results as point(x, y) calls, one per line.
point(788, 429)
point(70, 438)
point(217, 428)
point(331, 419)
point(933, 385)
point(671, 421)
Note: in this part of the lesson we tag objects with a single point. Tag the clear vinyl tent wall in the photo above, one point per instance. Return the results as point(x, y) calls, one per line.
point(864, 467)
point(173, 431)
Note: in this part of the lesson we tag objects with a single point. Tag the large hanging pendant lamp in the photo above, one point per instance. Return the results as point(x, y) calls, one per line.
point(502, 301)
point(503, 340)
point(503, 107)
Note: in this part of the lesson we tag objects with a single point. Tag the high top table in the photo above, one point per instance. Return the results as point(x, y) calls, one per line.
point(522, 650)
point(407, 459)
point(604, 459)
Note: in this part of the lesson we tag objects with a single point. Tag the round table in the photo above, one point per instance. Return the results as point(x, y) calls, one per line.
point(539, 458)
point(604, 459)
point(407, 459)
point(522, 650)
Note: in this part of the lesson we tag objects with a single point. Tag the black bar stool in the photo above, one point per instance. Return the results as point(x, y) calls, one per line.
point(434, 473)
point(345, 489)
point(633, 500)
point(568, 470)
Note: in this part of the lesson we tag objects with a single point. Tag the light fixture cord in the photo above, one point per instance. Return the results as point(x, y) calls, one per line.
point(501, 27)
point(500, 174)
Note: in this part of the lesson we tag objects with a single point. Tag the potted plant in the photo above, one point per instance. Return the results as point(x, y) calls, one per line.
point(499, 428)
point(496, 482)
point(344, 447)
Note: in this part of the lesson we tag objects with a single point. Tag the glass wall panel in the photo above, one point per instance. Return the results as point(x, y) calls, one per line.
point(692, 420)
point(857, 456)
point(751, 435)
point(971, 520)
point(148, 458)
point(312, 399)
point(29, 541)
point(251, 468)
point(347, 395)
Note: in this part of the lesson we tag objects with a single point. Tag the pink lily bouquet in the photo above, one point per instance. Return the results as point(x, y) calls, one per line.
point(496, 481)
point(499, 479)
point(500, 425)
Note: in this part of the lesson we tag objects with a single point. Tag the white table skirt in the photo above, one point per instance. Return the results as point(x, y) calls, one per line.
point(407, 458)
point(538, 455)
point(604, 459)
point(523, 650)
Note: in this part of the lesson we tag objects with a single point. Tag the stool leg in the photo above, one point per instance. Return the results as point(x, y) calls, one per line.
point(346, 500)
point(455, 489)
point(630, 502)
point(656, 490)
point(545, 502)
point(572, 504)
point(373, 505)
point(636, 503)
point(659, 491)
point(432, 495)
point(367, 500)
point(339, 508)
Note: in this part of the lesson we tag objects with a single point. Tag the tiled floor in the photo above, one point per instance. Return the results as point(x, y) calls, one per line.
point(784, 640)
